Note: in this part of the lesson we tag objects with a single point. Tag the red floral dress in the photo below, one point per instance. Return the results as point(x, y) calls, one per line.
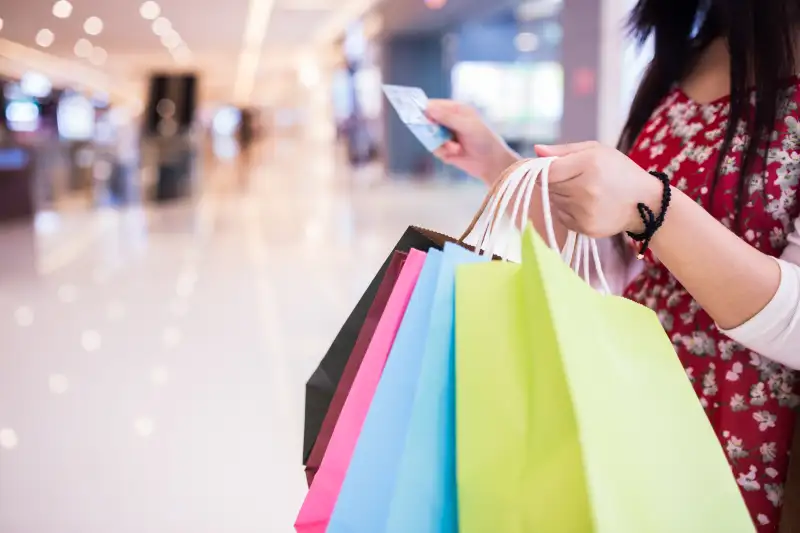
point(748, 398)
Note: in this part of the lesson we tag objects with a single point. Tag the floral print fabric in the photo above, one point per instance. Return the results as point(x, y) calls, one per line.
point(748, 398)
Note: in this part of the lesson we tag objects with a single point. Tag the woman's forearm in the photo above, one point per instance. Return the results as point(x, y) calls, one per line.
point(731, 280)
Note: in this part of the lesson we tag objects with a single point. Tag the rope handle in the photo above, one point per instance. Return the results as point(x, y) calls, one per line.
point(586, 247)
point(488, 200)
point(520, 179)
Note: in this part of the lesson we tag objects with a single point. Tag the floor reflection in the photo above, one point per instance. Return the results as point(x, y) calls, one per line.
point(154, 358)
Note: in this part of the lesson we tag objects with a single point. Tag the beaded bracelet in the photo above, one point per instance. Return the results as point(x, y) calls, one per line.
point(652, 222)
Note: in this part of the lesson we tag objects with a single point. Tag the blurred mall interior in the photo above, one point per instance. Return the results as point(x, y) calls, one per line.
point(193, 195)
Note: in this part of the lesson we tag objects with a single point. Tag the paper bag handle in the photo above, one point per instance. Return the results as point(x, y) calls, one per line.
point(521, 179)
point(495, 188)
point(515, 179)
point(586, 246)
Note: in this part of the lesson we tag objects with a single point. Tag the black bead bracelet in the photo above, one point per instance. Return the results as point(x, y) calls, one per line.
point(652, 222)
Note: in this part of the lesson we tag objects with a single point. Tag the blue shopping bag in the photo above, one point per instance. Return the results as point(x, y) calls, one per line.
point(425, 498)
point(365, 497)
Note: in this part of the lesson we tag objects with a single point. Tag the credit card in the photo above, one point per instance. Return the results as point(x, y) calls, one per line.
point(410, 104)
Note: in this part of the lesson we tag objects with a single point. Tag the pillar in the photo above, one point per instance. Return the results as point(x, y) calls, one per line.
point(418, 61)
point(581, 22)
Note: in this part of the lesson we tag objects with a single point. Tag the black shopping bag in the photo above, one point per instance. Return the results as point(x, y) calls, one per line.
point(322, 385)
point(353, 366)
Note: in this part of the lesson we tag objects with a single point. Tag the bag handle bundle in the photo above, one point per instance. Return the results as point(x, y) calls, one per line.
point(518, 182)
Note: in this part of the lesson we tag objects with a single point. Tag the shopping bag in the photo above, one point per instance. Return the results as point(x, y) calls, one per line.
point(316, 510)
point(363, 504)
point(424, 496)
point(574, 413)
point(322, 384)
point(354, 363)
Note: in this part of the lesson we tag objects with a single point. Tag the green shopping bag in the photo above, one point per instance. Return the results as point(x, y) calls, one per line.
point(574, 413)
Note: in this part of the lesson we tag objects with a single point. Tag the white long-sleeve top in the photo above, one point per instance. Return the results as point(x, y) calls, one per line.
point(775, 331)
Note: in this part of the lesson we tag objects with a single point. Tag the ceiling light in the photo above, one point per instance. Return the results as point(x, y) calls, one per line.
point(171, 40)
point(144, 426)
point(93, 26)
point(538, 9)
point(39, 86)
point(8, 439)
point(182, 54)
point(58, 384)
point(159, 375)
point(171, 336)
point(99, 56)
point(150, 10)
point(83, 48)
point(62, 9)
point(162, 26)
point(435, 4)
point(1, 24)
point(526, 42)
point(45, 38)
point(91, 340)
point(258, 18)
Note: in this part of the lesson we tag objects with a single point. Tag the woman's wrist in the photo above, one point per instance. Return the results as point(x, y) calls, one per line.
point(650, 192)
point(500, 162)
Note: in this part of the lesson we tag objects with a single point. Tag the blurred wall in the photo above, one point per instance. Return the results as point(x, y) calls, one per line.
point(419, 61)
point(622, 64)
point(581, 22)
point(493, 41)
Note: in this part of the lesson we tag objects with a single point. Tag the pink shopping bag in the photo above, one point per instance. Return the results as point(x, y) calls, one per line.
point(321, 498)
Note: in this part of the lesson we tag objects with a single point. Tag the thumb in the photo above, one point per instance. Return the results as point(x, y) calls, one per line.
point(447, 113)
point(561, 150)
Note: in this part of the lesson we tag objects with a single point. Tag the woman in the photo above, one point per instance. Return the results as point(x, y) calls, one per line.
point(718, 112)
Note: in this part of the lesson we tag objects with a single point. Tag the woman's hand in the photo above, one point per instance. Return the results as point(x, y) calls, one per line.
point(475, 149)
point(594, 189)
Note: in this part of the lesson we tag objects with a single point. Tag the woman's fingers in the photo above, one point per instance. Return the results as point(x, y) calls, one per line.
point(452, 115)
point(567, 213)
point(440, 103)
point(449, 150)
point(566, 168)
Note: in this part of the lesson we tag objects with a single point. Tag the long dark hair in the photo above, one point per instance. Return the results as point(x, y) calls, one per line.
point(760, 36)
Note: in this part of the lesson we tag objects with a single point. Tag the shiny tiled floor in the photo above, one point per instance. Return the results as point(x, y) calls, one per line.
point(153, 360)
